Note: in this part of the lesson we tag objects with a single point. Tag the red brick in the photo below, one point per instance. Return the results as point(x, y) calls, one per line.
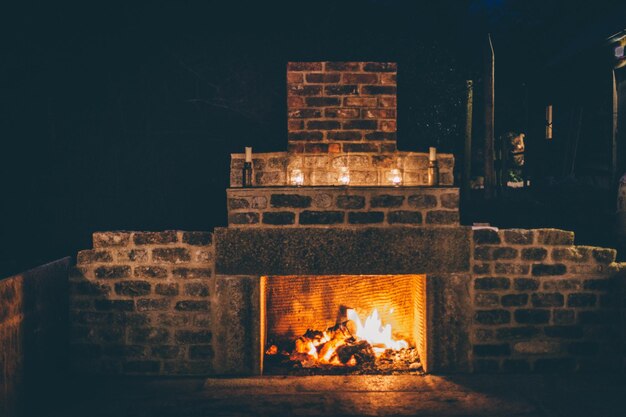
point(334, 148)
point(304, 114)
point(360, 78)
point(346, 135)
point(388, 125)
point(342, 113)
point(322, 101)
point(380, 66)
point(323, 124)
point(343, 66)
point(316, 147)
point(295, 102)
point(294, 124)
point(361, 102)
point(387, 102)
point(323, 78)
point(303, 90)
point(304, 66)
point(378, 114)
point(312, 136)
point(295, 77)
point(388, 78)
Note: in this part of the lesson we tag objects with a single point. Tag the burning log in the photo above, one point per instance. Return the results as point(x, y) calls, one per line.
point(348, 343)
point(360, 351)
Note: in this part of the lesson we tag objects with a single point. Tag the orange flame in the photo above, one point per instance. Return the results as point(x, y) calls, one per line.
point(375, 333)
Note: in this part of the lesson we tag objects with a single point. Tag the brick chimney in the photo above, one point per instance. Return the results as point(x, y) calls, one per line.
point(341, 107)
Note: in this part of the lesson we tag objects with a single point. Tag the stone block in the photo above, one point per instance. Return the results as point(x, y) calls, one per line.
point(518, 237)
point(548, 269)
point(366, 217)
point(442, 217)
point(150, 272)
point(278, 218)
point(392, 250)
point(492, 317)
point(422, 201)
point(171, 255)
point(581, 300)
point(132, 288)
point(554, 237)
point(486, 237)
point(386, 200)
point(492, 283)
point(532, 316)
point(238, 343)
point(112, 272)
point(110, 239)
point(534, 254)
point(155, 238)
point(547, 300)
point(350, 201)
point(514, 300)
point(537, 347)
point(197, 238)
point(502, 349)
point(404, 217)
point(310, 217)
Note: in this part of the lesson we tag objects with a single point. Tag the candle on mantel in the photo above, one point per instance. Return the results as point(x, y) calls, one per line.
point(433, 154)
point(248, 154)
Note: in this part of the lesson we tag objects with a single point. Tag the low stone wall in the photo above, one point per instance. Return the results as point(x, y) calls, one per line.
point(542, 304)
point(33, 336)
point(343, 206)
point(365, 168)
point(140, 304)
point(179, 303)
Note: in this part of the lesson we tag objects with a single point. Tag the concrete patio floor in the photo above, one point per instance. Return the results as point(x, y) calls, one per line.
point(474, 395)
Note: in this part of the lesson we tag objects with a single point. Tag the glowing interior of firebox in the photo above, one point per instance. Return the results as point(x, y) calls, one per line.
point(345, 320)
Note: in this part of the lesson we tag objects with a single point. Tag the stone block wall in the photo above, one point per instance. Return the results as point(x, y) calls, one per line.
point(168, 302)
point(343, 206)
point(365, 169)
point(141, 304)
point(543, 304)
point(33, 337)
point(341, 106)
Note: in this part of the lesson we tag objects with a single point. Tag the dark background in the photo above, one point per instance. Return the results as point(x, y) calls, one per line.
point(123, 116)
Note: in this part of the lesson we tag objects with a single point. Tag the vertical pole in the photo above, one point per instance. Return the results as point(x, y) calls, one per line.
point(614, 167)
point(467, 162)
point(489, 117)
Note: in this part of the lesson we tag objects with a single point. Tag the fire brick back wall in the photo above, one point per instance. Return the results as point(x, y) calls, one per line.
point(341, 106)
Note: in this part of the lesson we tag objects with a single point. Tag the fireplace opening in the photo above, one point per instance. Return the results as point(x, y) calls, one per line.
point(344, 324)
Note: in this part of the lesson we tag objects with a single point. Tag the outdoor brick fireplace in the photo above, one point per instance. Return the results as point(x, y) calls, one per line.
point(292, 257)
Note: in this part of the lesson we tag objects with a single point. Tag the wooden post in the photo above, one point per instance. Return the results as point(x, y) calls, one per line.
point(614, 167)
point(489, 117)
point(467, 162)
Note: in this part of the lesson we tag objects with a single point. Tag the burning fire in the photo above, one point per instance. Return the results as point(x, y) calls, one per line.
point(349, 343)
point(375, 333)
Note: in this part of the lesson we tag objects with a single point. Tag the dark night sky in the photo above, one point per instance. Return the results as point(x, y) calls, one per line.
point(123, 116)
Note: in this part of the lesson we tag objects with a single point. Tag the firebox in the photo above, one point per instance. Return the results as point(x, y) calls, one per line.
point(345, 323)
point(361, 323)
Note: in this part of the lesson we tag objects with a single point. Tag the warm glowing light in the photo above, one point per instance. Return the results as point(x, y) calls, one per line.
point(297, 177)
point(344, 176)
point(375, 333)
point(395, 177)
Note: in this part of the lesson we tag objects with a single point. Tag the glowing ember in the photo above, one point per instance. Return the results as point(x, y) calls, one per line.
point(348, 343)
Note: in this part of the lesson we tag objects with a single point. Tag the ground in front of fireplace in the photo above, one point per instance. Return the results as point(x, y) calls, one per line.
point(363, 395)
